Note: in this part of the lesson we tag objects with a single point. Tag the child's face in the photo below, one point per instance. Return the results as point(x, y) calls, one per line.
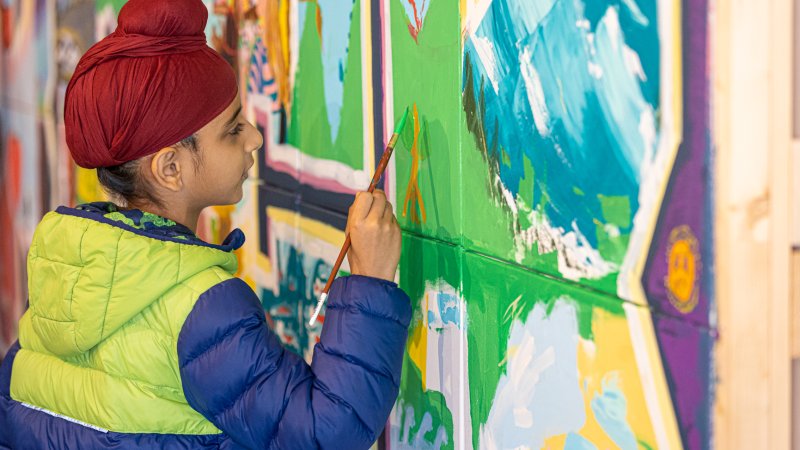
point(226, 146)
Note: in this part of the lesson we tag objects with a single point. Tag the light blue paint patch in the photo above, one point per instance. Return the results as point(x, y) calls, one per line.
point(622, 106)
point(539, 396)
point(568, 100)
point(610, 408)
point(448, 308)
point(422, 10)
point(302, 7)
point(336, 18)
point(578, 442)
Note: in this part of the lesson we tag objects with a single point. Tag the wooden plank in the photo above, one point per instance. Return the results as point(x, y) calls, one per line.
point(796, 306)
point(796, 405)
point(795, 164)
point(780, 151)
point(752, 105)
point(739, 189)
point(796, 342)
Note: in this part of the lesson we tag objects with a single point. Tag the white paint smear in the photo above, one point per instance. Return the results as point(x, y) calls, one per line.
point(533, 85)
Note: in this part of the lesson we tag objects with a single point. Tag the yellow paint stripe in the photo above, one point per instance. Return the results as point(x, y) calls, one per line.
point(320, 230)
point(640, 323)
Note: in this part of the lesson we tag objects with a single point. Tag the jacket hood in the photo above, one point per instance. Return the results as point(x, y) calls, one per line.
point(88, 276)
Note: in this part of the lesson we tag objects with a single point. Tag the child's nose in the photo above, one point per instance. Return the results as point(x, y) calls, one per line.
point(258, 140)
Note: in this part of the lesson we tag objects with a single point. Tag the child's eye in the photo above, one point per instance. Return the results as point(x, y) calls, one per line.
point(237, 130)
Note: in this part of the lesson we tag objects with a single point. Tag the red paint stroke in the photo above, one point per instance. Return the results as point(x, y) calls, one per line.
point(414, 30)
point(319, 25)
point(6, 17)
point(8, 276)
point(14, 170)
point(10, 284)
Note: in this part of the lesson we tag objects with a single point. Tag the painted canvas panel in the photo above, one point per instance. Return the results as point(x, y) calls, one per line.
point(501, 357)
point(570, 123)
point(306, 59)
point(557, 366)
point(422, 71)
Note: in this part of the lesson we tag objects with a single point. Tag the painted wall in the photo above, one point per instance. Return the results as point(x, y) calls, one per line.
point(553, 187)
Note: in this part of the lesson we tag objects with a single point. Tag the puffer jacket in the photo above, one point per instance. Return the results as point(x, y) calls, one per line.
point(139, 338)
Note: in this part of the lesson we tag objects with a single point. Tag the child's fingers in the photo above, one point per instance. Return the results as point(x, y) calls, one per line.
point(378, 205)
point(388, 210)
point(361, 206)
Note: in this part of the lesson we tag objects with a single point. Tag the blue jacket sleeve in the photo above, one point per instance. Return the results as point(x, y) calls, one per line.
point(238, 375)
point(5, 396)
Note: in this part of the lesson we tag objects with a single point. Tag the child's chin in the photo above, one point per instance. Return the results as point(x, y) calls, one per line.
point(238, 196)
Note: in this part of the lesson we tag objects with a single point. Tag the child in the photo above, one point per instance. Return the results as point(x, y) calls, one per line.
point(138, 335)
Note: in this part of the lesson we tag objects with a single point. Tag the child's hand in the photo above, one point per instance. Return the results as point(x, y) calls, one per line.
point(374, 235)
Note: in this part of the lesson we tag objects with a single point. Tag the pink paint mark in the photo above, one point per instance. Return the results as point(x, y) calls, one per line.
point(285, 168)
point(311, 180)
point(326, 185)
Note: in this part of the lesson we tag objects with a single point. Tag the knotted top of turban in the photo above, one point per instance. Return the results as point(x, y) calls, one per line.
point(148, 85)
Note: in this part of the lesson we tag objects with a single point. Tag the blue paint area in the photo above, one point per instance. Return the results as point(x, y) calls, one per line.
point(448, 306)
point(446, 313)
point(610, 409)
point(578, 442)
point(336, 18)
point(570, 97)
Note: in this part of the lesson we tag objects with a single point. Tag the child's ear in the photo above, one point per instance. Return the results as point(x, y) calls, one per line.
point(165, 167)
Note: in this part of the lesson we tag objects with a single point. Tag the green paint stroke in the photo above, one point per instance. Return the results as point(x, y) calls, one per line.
point(616, 210)
point(422, 402)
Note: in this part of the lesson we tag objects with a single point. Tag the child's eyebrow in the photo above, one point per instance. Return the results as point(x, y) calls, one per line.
point(233, 118)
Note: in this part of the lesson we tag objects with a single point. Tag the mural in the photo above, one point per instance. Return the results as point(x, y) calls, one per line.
point(29, 163)
point(556, 145)
point(557, 256)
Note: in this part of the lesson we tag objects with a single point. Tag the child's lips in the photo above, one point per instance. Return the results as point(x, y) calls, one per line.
point(246, 173)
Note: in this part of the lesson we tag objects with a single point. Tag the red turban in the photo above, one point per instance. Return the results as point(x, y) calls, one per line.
point(150, 84)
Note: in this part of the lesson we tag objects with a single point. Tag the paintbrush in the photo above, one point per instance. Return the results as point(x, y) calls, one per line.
point(375, 179)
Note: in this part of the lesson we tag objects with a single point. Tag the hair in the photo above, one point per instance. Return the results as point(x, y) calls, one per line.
point(125, 183)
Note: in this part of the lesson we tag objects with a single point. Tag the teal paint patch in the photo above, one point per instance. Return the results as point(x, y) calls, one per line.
point(578, 442)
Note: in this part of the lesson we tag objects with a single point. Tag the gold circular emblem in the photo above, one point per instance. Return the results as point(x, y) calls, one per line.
point(683, 269)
